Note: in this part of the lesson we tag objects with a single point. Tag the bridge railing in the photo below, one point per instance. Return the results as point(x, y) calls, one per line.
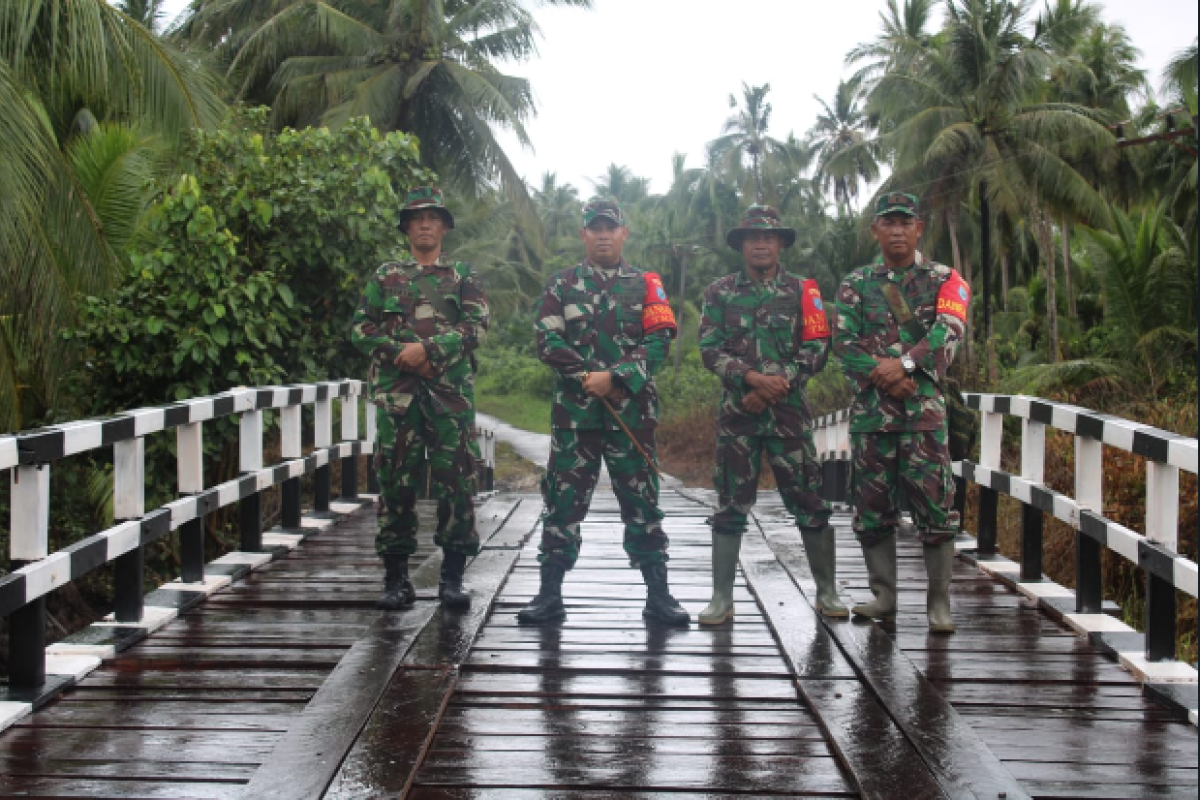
point(28, 458)
point(1155, 551)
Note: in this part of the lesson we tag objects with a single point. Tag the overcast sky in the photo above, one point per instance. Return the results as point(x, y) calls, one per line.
point(634, 81)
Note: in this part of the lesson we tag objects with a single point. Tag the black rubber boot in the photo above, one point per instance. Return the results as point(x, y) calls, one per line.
point(450, 590)
point(398, 591)
point(660, 605)
point(547, 606)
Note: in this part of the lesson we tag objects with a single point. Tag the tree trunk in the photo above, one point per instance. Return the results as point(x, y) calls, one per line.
point(956, 254)
point(1068, 283)
point(1003, 280)
point(1046, 245)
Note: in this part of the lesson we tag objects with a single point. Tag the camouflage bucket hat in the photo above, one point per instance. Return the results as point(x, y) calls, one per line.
point(422, 197)
point(760, 218)
point(602, 208)
point(897, 203)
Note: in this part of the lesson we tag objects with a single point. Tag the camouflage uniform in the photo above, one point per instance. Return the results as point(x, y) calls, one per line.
point(592, 319)
point(774, 327)
point(418, 416)
point(900, 445)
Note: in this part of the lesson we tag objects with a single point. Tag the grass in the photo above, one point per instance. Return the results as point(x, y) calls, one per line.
point(520, 411)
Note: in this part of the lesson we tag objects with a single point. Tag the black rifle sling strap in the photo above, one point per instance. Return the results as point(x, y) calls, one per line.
point(903, 314)
point(427, 286)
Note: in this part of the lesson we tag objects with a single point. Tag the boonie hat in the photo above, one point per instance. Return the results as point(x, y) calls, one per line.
point(423, 197)
point(760, 218)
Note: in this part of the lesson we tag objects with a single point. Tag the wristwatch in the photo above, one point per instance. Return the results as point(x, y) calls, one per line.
point(909, 365)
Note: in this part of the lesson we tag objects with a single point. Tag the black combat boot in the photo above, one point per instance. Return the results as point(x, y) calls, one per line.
point(398, 591)
point(450, 590)
point(547, 606)
point(659, 603)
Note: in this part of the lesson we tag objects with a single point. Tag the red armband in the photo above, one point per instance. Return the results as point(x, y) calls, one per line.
point(656, 313)
point(954, 297)
point(812, 308)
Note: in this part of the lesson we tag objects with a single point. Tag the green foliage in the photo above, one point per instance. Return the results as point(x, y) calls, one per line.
point(505, 371)
point(249, 268)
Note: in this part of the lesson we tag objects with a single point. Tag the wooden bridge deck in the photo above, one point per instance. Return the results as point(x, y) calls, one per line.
point(289, 684)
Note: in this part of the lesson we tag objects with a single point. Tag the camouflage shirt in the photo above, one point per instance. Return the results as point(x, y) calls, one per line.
point(866, 327)
point(774, 327)
point(392, 313)
point(591, 319)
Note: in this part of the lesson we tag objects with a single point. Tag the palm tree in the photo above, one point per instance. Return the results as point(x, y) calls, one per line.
point(558, 207)
point(82, 87)
point(150, 14)
point(840, 126)
point(904, 40)
point(1148, 267)
point(745, 131)
point(971, 112)
point(421, 66)
point(620, 183)
point(1095, 66)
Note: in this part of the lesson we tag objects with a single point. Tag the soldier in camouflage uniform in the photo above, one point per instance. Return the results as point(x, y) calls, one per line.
point(898, 326)
point(764, 333)
point(604, 327)
point(419, 320)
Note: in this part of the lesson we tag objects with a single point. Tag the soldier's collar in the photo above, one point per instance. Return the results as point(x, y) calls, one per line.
point(919, 262)
point(441, 262)
point(744, 279)
point(587, 269)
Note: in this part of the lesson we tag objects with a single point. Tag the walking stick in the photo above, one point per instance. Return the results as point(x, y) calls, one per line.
point(612, 412)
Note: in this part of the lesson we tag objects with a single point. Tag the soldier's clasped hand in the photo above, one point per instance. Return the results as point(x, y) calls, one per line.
point(754, 403)
point(598, 384)
point(412, 357)
point(773, 388)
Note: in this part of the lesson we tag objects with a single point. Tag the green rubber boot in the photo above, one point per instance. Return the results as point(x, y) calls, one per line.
point(939, 568)
point(881, 570)
point(821, 547)
point(725, 549)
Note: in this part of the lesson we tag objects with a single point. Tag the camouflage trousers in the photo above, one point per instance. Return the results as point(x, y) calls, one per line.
point(570, 479)
point(406, 442)
point(797, 473)
point(914, 464)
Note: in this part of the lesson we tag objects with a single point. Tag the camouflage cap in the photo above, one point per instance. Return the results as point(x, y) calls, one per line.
point(422, 197)
point(896, 203)
point(602, 208)
point(760, 218)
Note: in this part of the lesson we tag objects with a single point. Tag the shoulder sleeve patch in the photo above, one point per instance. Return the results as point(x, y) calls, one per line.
point(656, 312)
point(954, 297)
point(816, 322)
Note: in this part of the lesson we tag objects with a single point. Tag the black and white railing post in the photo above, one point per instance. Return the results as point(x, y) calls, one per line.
point(372, 435)
point(1033, 467)
point(350, 434)
point(322, 439)
point(1162, 529)
point(30, 540)
point(250, 464)
point(291, 448)
point(991, 432)
point(129, 505)
point(189, 445)
point(1089, 496)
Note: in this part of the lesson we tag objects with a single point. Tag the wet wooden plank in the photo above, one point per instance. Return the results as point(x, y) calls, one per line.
point(306, 758)
point(958, 759)
point(52, 787)
point(881, 759)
